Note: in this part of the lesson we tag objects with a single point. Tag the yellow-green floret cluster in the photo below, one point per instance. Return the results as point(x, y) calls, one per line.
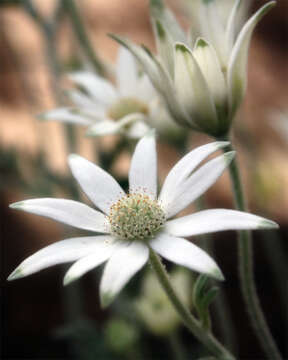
point(136, 217)
point(126, 106)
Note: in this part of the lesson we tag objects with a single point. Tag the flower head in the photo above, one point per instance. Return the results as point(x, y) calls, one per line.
point(129, 107)
point(128, 225)
point(201, 77)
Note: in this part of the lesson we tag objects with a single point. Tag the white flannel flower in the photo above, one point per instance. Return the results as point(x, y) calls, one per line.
point(130, 224)
point(202, 79)
point(129, 107)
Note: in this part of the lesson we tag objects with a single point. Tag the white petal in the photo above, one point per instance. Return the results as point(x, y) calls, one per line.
point(213, 220)
point(164, 44)
point(185, 166)
point(189, 190)
point(123, 264)
point(208, 62)
point(104, 127)
point(143, 169)
point(85, 104)
point(192, 90)
point(161, 12)
point(111, 127)
point(66, 115)
point(198, 183)
point(66, 211)
point(61, 252)
point(138, 130)
point(237, 77)
point(98, 185)
point(231, 25)
point(100, 254)
point(185, 253)
point(97, 87)
point(126, 72)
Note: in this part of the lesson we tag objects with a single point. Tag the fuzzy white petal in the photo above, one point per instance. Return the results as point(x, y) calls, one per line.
point(126, 72)
point(213, 220)
point(122, 265)
point(192, 90)
point(98, 185)
point(185, 166)
point(143, 169)
point(66, 211)
point(61, 252)
point(237, 77)
point(185, 253)
point(66, 115)
point(97, 87)
point(101, 253)
point(187, 191)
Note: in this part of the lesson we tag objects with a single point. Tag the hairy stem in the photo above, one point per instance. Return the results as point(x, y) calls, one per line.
point(204, 336)
point(245, 254)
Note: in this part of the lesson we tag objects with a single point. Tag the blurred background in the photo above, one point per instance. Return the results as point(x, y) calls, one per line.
point(40, 318)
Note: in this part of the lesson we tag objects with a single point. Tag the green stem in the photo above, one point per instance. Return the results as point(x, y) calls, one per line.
point(82, 36)
point(245, 254)
point(222, 310)
point(204, 336)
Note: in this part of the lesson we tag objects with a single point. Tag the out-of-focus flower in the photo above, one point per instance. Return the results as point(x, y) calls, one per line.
point(136, 222)
point(202, 79)
point(155, 308)
point(130, 107)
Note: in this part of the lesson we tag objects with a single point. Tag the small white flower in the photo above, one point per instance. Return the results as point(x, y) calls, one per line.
point(132, 223)
point(129, 107)
point(202, 79)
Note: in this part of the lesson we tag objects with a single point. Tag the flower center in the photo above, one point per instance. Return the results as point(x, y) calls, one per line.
point(136, 217)
point(126, 106)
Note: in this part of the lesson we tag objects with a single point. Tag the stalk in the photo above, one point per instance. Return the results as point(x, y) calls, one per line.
point(203, 335)
point(245, 259)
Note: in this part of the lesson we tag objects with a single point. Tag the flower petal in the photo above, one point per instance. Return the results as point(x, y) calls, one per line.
point(232, 24)
point(61, 252)
point(208, 62)
point(160, 12)
point(143, 168)
point(97, 184)
point(185, 166)
point(213, 220)
point(185, 253)
point(66, 115)
point(126, 72)
point(123, 264)
point(111, 127)
point(97, 87)
point(237, 77)
point(101, 253)
point(66, 211)
point(138, 130)
point(164, 44)
point(192, 90)
point(189, 190)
